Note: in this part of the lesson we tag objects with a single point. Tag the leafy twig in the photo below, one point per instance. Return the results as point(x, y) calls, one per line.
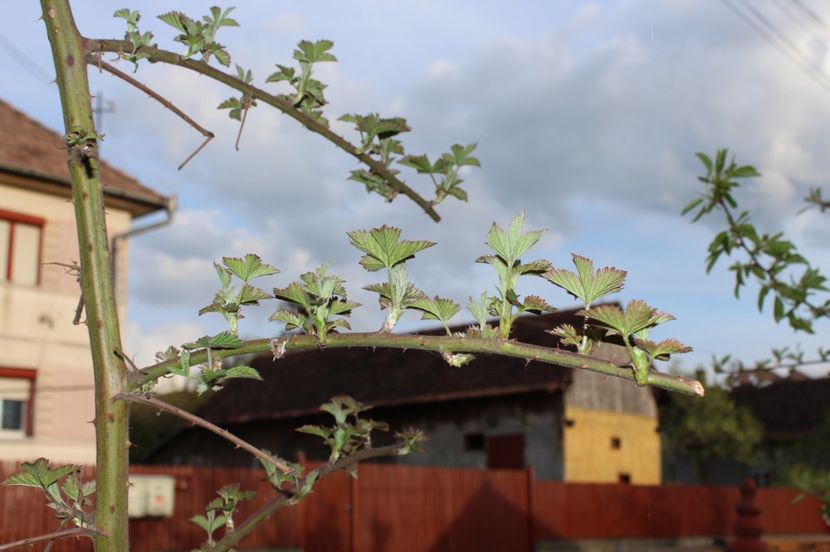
point(155, 54)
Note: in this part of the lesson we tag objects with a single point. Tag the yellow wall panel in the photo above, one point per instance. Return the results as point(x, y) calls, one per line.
point(591, 454)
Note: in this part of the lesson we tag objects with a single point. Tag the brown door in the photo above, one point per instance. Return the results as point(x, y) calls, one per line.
point(506, 452)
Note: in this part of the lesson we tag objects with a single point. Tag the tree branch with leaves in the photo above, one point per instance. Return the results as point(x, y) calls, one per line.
point(320, 308)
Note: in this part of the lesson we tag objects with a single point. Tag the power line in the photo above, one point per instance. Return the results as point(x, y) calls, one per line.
point(25, 61)
point(810, 14)
point(785, 46)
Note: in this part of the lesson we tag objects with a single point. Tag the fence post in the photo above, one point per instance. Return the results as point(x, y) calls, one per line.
point(531, 518)
point(748, 524)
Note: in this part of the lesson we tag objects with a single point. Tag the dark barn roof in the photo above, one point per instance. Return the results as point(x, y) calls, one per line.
point(34, 152)
point(297, 384)
point(787, 408)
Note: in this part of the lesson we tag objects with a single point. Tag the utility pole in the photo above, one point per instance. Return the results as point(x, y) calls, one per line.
point(99, 109)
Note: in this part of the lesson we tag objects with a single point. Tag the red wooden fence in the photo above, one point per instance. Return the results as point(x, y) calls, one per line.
point(412, 509)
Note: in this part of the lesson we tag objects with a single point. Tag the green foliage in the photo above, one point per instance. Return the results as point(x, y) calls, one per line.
point(134, 36)
point(212, 375)
point(509, 245)
point(232, 296)
point(709, 428)
point(198, 35)
point(586, 284)
point(445, 171)
point(816, 199)
point(308, 93)
point(350, 433)
point(633, 326)
point(65, 493)
point(318, 297)
point(437, 308)
point(770, 260)
point(383, 248)
point(237, 106)
point(220, 511)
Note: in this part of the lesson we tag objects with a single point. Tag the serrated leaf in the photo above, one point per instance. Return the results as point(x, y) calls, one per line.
point(460, 155)
point(314, 430)
point(38, 474)
point(314, 52)
point(384, 245)
point(436, 308)
point(242, 372)
point(175, 19)
point(223, 340)
point(586, 284)
point(567, 335)
point(511, 243)
point(252, 295)
point(664, 349)
point(249, 267)
point(71, 488)
point(223, 57)
point(293, 293)
point(291, 319)
point(342, 307)
point(534, 303)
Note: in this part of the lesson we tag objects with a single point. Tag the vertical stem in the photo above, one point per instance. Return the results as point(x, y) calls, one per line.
point(69, 54)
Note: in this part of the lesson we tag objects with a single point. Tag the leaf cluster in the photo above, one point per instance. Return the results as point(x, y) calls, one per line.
point(134, 36)
point(199, 35)
point(235, 275)
point(66, 493)
point(212, 375)
point(383, 249)
point(445, 171)
point(350, 432)
point(769, 260)
point(509, 245)
point(308, 93)
point(318, 297)
point(220, 511)
point(238, 105)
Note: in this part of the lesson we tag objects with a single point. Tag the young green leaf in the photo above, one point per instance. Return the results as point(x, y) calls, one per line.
point(39, 474)
point(383, 247)
point(436, 308)
point(586, 284)
point(511, 243)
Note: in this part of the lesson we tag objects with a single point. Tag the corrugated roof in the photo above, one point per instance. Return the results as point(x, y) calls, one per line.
point(300, 382)
point(29, 149)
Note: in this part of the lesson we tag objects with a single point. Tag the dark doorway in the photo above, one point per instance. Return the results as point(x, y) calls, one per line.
point(506, 452)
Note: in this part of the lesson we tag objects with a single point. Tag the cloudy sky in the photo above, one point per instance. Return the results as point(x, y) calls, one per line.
point(587, 116)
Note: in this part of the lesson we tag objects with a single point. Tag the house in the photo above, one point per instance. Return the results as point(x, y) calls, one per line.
point(495, 412)
point(46, 394)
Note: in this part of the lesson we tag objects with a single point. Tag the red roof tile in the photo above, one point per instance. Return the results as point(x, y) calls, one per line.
point(31, 150)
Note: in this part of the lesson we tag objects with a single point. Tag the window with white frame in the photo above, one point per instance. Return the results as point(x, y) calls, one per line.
point(20, 246)
point(15, 394)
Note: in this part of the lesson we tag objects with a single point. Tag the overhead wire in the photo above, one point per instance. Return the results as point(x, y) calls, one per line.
point(769, 32)
point(24, 61)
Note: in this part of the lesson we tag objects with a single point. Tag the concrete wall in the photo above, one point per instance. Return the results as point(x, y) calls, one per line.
point(36, 333)
point(537, 416)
